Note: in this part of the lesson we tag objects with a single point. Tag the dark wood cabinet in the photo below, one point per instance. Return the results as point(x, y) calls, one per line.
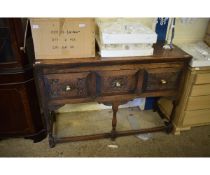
point(11, 42)
point(20, 114)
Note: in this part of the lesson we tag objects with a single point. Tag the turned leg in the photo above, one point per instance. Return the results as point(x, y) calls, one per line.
point(171, 118)
point(155, 106)
point(53, 115)
point(50, 131)
point(114, 120)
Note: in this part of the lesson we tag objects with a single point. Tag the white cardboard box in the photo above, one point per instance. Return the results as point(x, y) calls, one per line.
point(125, 32)
point(118, 51)
point(126, 53)
point(127, 38)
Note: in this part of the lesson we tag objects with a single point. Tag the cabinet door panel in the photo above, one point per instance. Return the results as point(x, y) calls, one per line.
point(13, 118)
point(6, 50)
point(11, 39)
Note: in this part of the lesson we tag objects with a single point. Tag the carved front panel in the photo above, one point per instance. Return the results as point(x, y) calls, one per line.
point(67, 85)
point(162, 79)
point(117, 82)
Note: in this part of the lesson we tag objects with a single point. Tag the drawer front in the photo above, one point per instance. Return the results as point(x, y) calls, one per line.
point(200, 102)
point(162, 79)
point(202, 78)
point(74, 85)
point(197, 117)
point(118, 82)
point(203, 89)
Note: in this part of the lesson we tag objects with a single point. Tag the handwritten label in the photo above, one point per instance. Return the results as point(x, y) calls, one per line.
point(54, 39)
point(63, 39)
point(67, 32)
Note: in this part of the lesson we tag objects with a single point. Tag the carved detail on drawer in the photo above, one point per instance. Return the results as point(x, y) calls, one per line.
point(118, 81)
point(67, 85)
point(162, 79)
point(113, 82)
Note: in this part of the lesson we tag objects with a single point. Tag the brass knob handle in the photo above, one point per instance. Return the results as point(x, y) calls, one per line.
point(117, 84)
point(68, 88)
point(163, 81)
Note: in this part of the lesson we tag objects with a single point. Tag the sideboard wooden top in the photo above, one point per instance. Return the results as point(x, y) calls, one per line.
point(160, 55)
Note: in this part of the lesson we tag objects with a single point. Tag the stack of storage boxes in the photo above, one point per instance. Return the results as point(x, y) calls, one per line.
point(124, 38)
point(194, 108)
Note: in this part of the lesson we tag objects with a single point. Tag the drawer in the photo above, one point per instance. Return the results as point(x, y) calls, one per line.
point(197, 117)
point(202, 78)
point(203, 89)
point(162, 79)
point(118, 82)
point(200, 102)
point(74, 85)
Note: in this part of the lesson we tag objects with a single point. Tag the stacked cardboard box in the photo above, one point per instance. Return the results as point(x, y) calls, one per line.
point(122, 38)
point(56, 38)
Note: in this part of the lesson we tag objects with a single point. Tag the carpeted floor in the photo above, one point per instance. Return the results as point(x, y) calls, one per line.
point(193, 143)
